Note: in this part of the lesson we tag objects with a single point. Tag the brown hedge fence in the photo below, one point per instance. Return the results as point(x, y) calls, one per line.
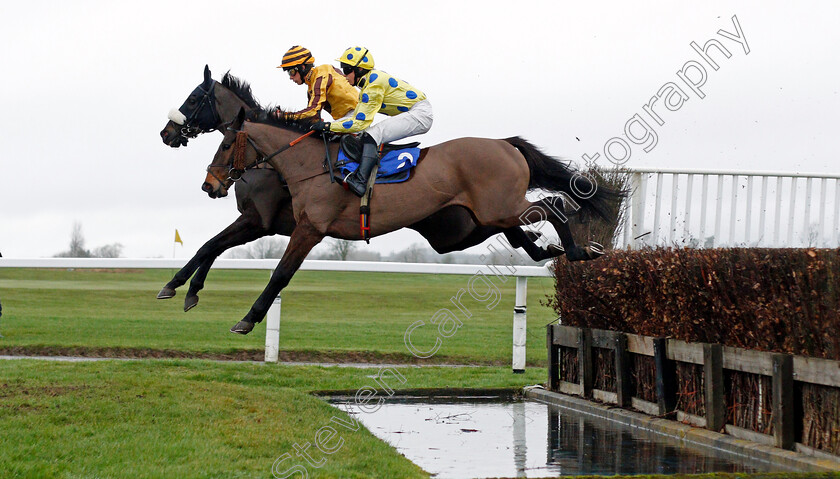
point(780, 300)
point(772, 300)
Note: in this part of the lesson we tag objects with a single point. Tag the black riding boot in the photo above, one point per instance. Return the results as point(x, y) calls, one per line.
point(357, 181)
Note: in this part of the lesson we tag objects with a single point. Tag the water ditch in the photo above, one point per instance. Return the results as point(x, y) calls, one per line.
point(501, 434)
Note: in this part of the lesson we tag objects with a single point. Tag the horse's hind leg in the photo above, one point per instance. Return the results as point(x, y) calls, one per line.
point(526, 241)
point(552, 209)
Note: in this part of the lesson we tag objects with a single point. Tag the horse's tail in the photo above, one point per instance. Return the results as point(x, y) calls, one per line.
point(551, 174)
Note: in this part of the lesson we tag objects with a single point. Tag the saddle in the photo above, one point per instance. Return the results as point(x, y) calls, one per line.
point(394, 166)
point(352, 147)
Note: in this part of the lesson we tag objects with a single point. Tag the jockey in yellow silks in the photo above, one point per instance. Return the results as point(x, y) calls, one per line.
point(327, 87)
point(410, 112)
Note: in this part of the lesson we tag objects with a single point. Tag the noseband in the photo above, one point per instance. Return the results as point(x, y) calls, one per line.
point(188, 130)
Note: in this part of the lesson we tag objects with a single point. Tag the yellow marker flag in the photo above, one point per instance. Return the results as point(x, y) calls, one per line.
point(178, 237)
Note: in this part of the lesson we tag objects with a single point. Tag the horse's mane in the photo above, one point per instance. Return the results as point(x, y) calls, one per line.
point(240, 88)
point(266, 116)
point(259, 113)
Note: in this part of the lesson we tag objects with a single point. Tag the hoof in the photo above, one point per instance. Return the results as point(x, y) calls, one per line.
point(586, 253)
point(242, 327)
point(556, 250)
point(595, 250)
point(166, 293)
point(190, 302)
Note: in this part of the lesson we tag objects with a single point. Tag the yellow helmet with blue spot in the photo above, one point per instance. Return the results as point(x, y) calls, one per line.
point(357, 57)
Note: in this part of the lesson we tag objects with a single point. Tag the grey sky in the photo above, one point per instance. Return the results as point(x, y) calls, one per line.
point(86, 88)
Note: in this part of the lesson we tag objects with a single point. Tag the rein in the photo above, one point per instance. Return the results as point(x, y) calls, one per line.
point(237, 164)
point(265, 159)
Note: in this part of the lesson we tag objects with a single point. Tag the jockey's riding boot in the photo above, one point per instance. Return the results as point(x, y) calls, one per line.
point(357, 181)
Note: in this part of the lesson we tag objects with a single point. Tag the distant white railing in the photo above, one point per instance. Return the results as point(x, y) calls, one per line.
point(720, 208)
point(272, 338)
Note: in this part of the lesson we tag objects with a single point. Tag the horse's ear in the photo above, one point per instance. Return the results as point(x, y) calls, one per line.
point(240, 119)
point(207, 77)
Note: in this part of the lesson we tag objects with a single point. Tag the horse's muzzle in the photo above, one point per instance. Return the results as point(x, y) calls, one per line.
point(219, 192)
point(173, 139)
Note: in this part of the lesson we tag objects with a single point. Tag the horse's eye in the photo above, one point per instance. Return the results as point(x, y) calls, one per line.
point(191, 100)
point(226, 146)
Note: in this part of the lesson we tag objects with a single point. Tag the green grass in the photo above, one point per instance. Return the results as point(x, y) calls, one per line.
point(196, 419)
point(203, 419)
point(322, 312)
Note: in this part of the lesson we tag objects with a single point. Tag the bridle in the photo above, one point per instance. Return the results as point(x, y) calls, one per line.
point(188, 130)
point(236, 166)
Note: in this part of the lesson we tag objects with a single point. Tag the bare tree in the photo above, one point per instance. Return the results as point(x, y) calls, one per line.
point(341, 248)
point(77, 247)
point(416, 253)
point(812, 236)
point(77, 244)
point(266, 247)
point(108, 251)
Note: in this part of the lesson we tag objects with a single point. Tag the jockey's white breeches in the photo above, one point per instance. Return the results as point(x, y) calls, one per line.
point(416, 121)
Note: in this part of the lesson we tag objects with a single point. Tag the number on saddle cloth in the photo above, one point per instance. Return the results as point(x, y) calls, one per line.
point(394, 166)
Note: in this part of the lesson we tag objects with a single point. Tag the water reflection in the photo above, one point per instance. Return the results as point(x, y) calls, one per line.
point(529, 439)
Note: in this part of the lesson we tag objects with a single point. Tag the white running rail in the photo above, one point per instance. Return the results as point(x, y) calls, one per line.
point(272, 339)
point(732, 208)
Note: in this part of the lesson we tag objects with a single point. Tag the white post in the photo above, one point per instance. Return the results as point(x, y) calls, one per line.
point(519, 324)
point(718, 209)
point(657, 209)
point(704, 195)
point(748, 219)
point(272, 332)
point(734, 212)
point(791, 212)
point(689, 181)
point(821, 239)
point(778, 212)
point(675, 178)
point(637, 209)
point(762, 213)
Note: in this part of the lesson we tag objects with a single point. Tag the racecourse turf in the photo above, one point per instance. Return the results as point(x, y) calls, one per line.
point(333, 315)
point(193, 418)
point(190, 418)
point(199, 419)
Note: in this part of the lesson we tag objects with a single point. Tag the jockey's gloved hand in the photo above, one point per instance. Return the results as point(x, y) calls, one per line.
point(320, 126)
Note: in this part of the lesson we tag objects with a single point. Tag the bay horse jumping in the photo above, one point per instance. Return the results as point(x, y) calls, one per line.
point(484, 179)
point(264, 202)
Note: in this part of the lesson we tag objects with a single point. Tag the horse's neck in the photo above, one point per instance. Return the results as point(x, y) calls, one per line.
point(298, 162)
point(227, 104)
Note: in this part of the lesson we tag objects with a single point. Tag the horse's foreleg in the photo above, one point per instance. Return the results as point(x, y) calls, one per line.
point(303, 239)
point(230, 236)
point(245, 233)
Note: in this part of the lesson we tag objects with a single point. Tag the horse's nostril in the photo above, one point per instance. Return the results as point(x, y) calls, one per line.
point(206, 187)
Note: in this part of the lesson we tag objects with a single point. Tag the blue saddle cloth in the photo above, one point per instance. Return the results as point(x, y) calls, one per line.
point(394, 167)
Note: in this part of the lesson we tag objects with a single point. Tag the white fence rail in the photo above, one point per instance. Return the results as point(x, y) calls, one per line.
point(732, 208)
point(272, 339)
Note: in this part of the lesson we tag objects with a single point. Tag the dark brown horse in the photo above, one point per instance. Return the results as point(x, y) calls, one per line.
point(484, 179)
point(265, 203)
point(210, 105)
point(261, 197)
